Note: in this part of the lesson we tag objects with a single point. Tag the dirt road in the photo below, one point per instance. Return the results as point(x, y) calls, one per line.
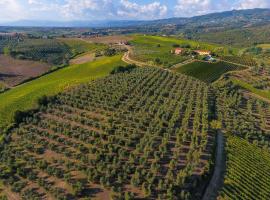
point(220, 166)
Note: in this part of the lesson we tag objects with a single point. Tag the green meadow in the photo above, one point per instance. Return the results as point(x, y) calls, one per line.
point(24, 97)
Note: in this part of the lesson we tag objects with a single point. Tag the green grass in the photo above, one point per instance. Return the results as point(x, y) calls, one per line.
point(146, 49)
point(25, 96)
point(207, 72)
point(248, 171)
point(262, 93)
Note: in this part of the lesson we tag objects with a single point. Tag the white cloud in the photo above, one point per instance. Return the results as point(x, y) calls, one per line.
point(148, 11)
point(249, 4)
point(186, 8)
point(11, 10)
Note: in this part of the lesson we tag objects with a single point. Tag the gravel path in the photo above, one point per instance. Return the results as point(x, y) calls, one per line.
point(216, 182)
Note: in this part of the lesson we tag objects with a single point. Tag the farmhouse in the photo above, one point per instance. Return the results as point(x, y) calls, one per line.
point(203, 52)
point(178, 51)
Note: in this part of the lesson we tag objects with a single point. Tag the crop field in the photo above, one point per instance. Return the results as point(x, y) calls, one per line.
point(14, 71)
point(243, 60)
point(24, 96)
point(246, 117)
point(207, 72)
point(143, 134)
point(248, 171)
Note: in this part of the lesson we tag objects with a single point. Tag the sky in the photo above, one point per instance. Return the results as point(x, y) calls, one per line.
point(92, 10)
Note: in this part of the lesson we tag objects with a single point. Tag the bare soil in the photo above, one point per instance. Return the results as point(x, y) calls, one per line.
point(14, 71)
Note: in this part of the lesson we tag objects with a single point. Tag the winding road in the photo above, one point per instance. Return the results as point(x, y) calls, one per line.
point(216, 182)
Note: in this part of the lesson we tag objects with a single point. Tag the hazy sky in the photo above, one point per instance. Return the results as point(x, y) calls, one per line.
point(63, 10)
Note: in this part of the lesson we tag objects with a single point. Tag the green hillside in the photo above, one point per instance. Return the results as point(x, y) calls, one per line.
point(151, 48)
point(24, 97)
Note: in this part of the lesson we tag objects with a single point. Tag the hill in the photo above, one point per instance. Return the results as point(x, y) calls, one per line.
point(142, 134)
point(234, 18)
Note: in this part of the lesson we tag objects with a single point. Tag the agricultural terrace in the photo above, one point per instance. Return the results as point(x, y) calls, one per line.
point(157, 50)
point(243, 116)
point(25, 96)
point(142, 134)
point(248, 171)
point(207, 72)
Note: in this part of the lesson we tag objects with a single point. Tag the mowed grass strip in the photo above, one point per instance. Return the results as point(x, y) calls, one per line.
point(25, 96)
point(207, 72)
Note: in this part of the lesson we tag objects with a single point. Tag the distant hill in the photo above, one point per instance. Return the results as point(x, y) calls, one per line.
point(229, 18)
point(237, 27)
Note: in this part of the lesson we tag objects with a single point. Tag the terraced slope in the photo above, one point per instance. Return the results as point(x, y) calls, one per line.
point(248, 171)
point(144, 134)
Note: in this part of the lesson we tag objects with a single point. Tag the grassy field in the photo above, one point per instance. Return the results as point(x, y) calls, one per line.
point(207, 72)
point(149, 48)
point(248, 171)
point(24, 96)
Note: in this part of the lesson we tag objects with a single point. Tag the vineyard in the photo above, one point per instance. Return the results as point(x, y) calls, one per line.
point(243, 60)
point(143, 134)
point(207, 72)
point(248, 171)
